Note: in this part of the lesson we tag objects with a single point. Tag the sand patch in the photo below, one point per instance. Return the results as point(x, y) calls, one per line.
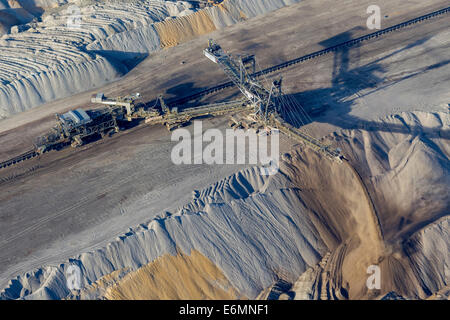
point(175, 277)
point(174, 31)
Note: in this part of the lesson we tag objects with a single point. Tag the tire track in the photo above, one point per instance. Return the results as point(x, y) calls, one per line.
point(79, 203)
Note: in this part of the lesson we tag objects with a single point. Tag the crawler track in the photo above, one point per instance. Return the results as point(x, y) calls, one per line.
point(24, 156)
point(316, 54)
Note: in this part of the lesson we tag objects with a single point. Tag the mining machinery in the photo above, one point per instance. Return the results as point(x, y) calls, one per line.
point(173, 117)
point(269, 105)
point(125, 108)
point(263, 106)
point(239, 68)
point(77, 126)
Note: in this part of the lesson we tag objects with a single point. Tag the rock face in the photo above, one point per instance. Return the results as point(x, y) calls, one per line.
point(70, 46)
point(237, 224)
point(308, 232)
point(404, 159)
point(14, 13)
point(404, 162)
point(49, 59)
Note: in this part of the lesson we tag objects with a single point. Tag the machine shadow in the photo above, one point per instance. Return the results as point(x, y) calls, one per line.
point(121, 59)
point(183, 90)
point(333, 104)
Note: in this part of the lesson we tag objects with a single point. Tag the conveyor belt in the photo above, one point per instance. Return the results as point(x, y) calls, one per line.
point(314, 55)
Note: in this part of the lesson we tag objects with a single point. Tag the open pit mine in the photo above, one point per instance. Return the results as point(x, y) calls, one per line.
point(224, 149)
